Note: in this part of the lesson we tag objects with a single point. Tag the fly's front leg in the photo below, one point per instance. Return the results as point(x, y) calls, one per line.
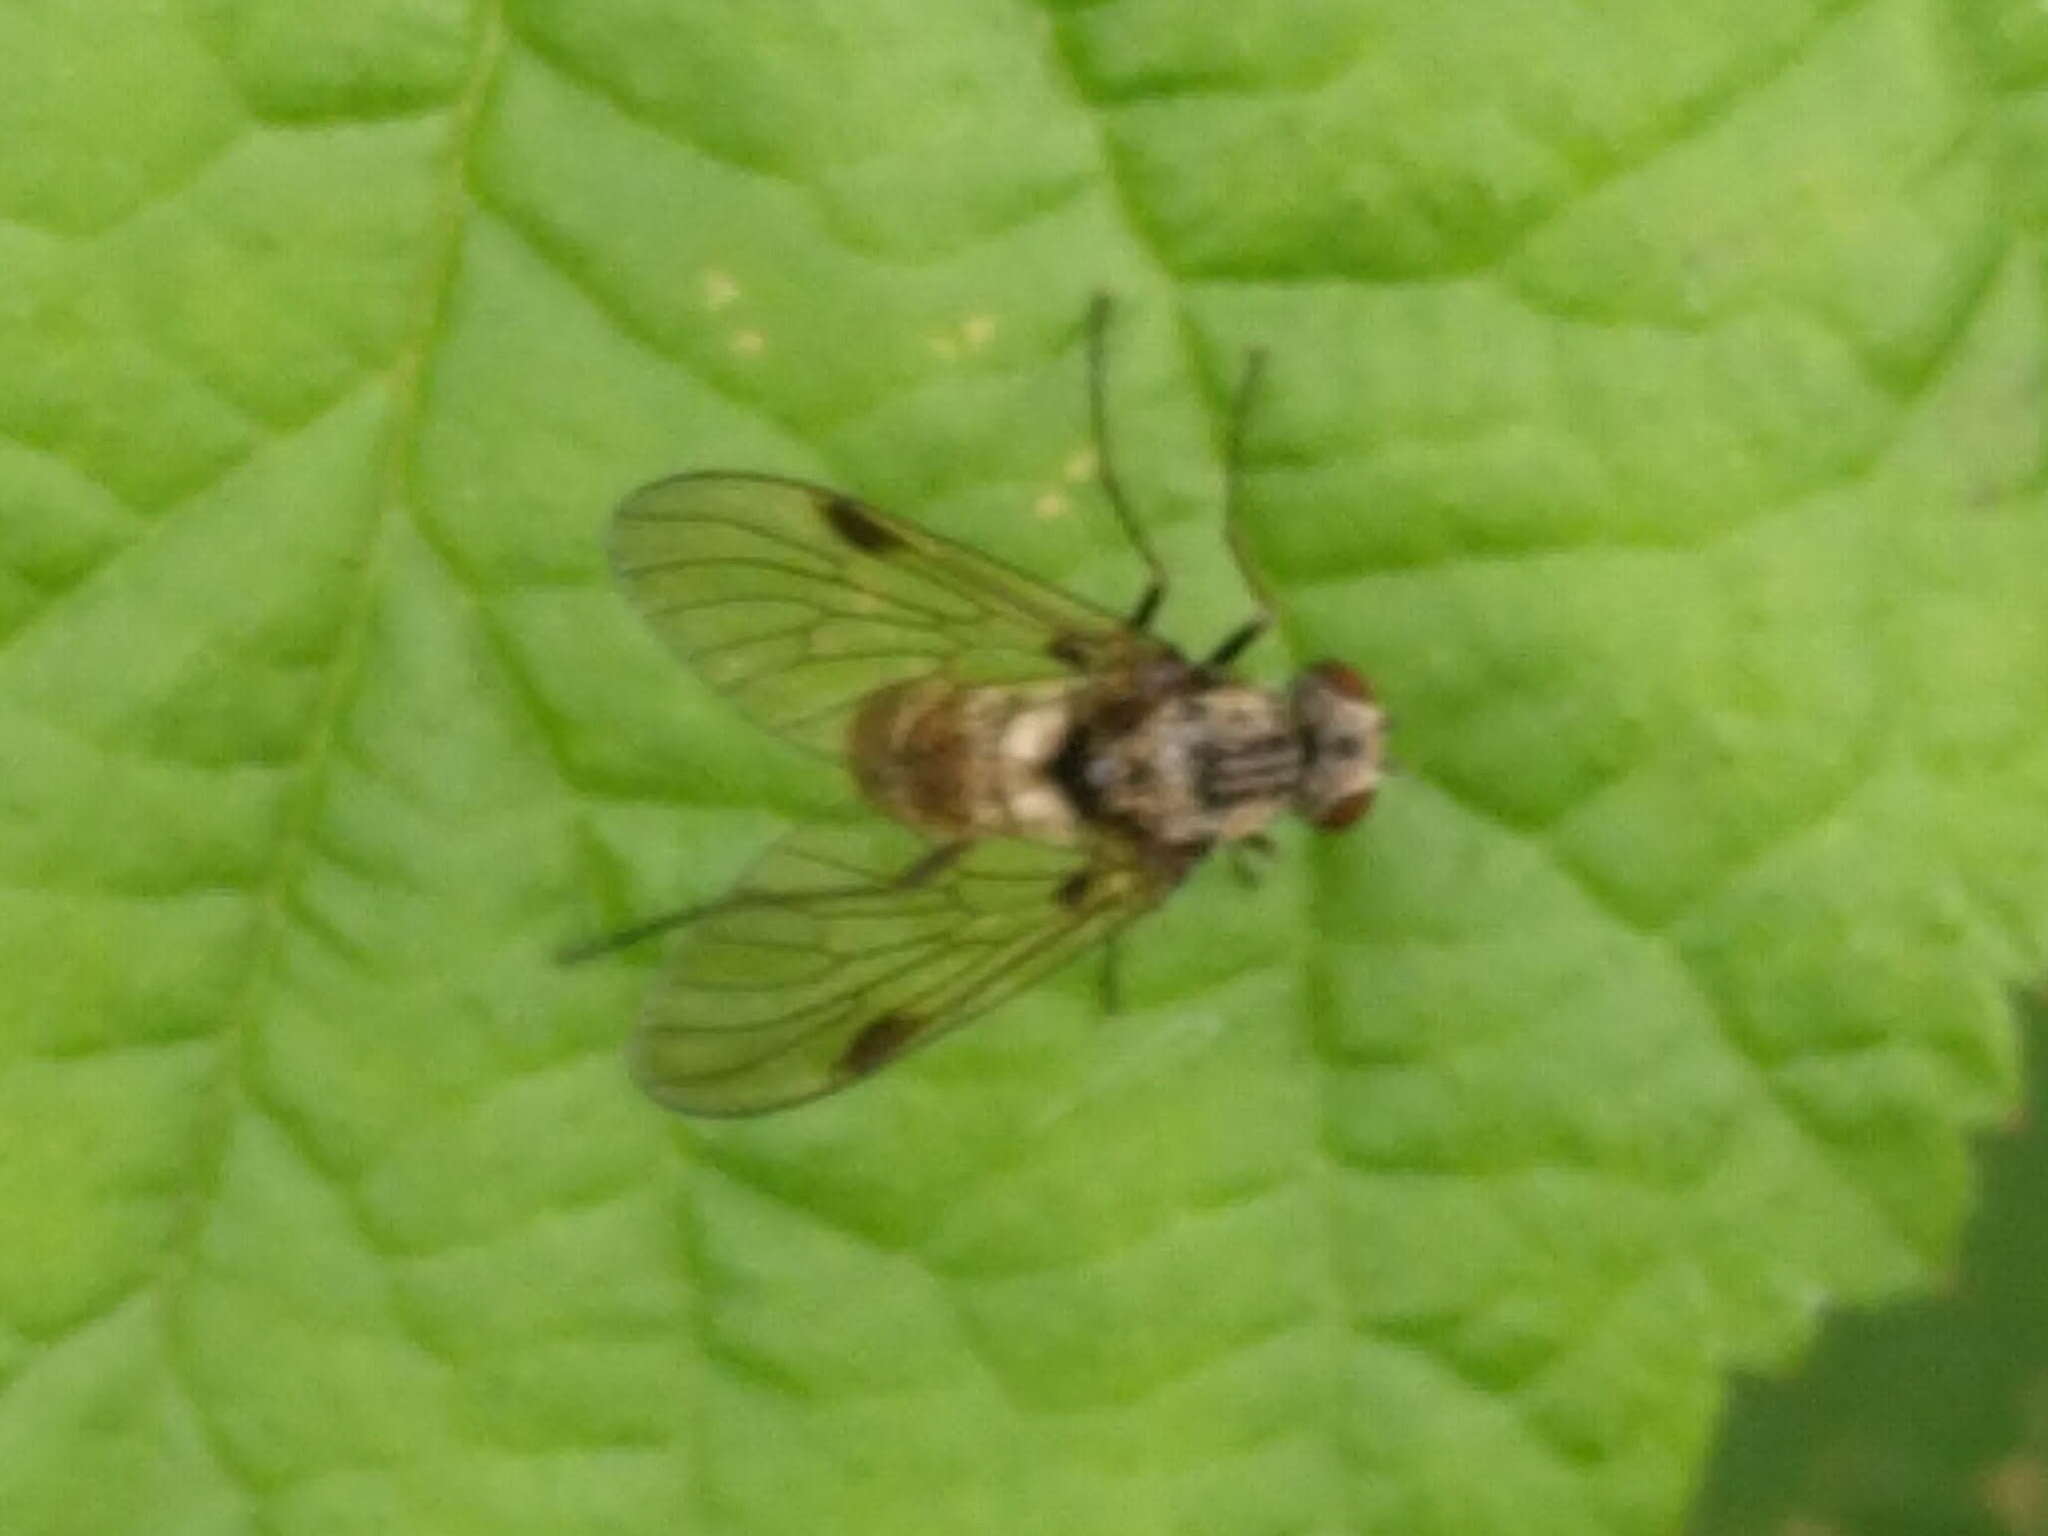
point(1105, 466)
point(1233, 525)
point(1234, 642)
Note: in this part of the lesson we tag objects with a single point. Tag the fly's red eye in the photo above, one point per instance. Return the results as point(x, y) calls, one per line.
point(1339, 814)
point(1340, 678)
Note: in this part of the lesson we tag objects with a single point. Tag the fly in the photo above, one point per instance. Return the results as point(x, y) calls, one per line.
point(1065, 768)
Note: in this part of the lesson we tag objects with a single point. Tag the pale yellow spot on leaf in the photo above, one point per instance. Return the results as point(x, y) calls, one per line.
point(970, 335)
point(748, 343)
point(1051, 504)
point(2016, 1493)
point(1080, 466)
point(719, 289)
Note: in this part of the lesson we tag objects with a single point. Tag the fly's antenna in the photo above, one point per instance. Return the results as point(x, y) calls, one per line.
point(1105, 462)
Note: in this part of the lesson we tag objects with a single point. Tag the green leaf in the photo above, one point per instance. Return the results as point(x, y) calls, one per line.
point(1655, 410)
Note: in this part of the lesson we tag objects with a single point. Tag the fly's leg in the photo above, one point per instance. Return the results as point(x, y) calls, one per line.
point(1248, 858)
point(1240, 637)
point(935, 862)
point(1233, 527)
point(1167, 864)
point(1105, 465)
point(922, 871)
point(1110, 982)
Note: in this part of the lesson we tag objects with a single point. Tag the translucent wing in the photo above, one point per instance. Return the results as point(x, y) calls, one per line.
point(820, 972)
point(798, 602)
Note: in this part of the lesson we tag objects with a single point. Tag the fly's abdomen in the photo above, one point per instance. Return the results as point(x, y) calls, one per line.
point(959, 762)
point(912, 758)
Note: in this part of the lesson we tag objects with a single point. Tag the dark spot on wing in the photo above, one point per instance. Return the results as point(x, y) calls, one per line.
point(859, 527)
point(878, 1041)
point(1069, 650)
point(1074, 889)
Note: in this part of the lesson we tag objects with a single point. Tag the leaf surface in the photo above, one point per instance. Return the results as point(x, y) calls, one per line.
point(1655, 411)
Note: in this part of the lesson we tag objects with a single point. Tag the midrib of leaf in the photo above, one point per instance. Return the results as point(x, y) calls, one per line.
point(231, 1093)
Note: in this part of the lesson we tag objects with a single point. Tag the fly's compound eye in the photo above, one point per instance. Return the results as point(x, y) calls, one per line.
point(1342, 679)
point(1341, 813)
point(1341, 727)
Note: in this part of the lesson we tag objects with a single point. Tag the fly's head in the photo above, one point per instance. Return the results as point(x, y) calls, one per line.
point(1342, 731)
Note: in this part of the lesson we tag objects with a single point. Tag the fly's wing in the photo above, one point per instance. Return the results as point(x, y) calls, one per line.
point(817, 971)
point(799, 602)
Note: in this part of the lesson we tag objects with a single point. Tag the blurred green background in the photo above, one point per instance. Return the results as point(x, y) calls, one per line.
point(1926, 1418)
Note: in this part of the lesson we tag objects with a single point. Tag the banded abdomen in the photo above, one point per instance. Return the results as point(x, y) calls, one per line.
point(968, 762)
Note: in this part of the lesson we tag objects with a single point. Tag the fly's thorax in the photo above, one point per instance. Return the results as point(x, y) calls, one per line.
point(960, 762)
point(1201, 766)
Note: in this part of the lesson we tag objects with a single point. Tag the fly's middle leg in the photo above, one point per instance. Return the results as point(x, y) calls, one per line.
point(935, 862)
point(1105, 465)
